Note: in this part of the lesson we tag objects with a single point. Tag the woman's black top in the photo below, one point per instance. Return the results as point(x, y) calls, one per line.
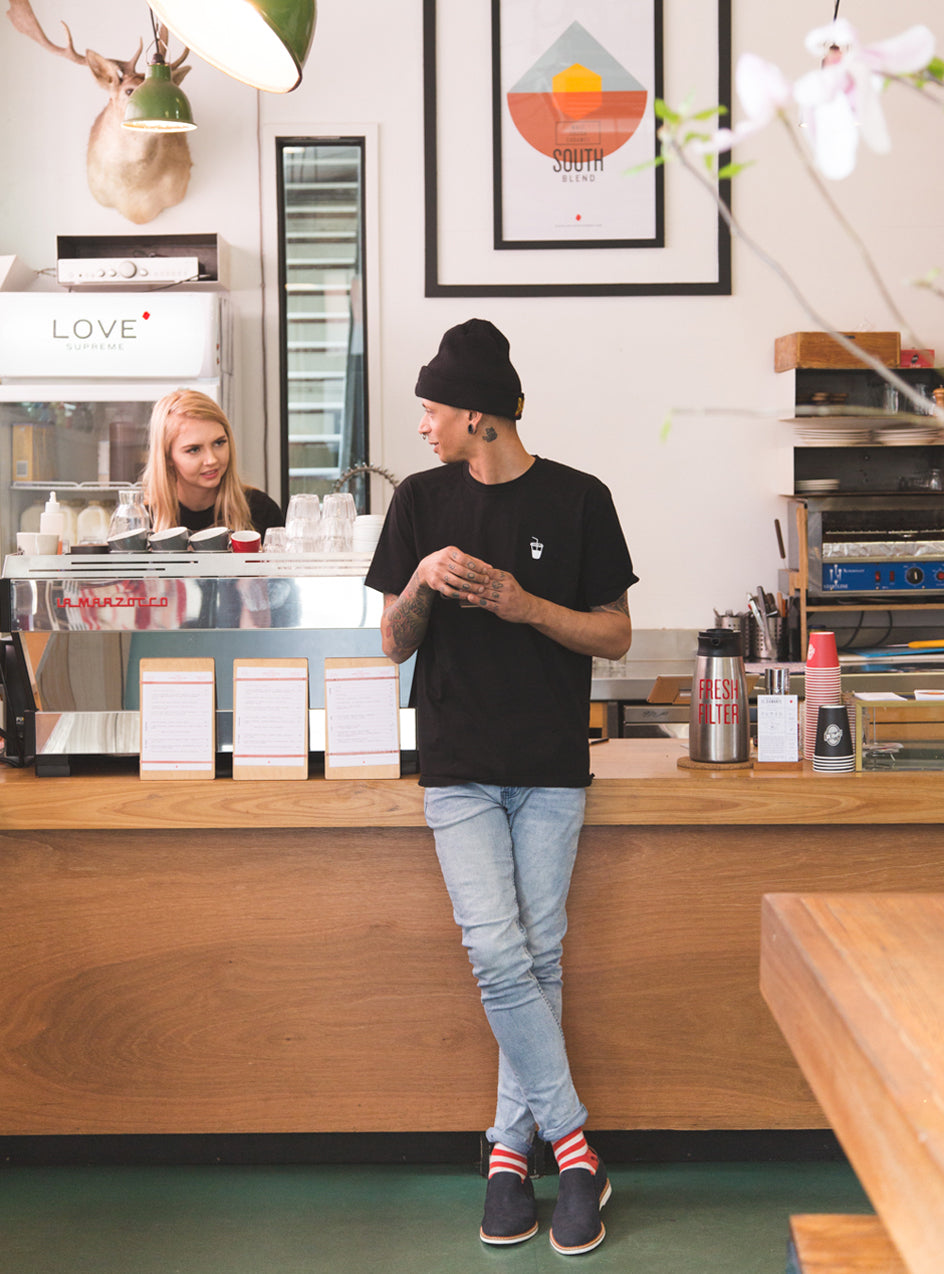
point(263, 513)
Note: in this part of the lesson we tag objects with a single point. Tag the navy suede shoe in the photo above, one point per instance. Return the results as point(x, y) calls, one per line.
point(510, 1212)
point(576, 1226)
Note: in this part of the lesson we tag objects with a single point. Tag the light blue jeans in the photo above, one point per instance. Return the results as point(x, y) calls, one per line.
point(507, 854)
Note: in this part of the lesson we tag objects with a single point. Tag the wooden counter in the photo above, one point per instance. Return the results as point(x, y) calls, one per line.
point(281, 957)
point(636, 781)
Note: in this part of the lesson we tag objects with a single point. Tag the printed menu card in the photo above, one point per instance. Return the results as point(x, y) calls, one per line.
point(270, 718)
point(362, 718)
point(178, 719)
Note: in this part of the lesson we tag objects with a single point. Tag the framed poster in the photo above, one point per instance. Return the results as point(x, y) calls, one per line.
point(484, 236)
point(572, 110)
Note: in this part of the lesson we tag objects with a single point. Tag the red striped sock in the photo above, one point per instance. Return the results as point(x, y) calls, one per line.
point(504, 1160)
point(572, 1151)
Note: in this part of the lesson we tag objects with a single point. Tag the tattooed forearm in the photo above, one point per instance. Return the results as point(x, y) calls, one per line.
point(620, 606)
point(405, 620)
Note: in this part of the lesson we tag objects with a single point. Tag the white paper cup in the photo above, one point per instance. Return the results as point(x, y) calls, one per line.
point(46, 543)
point(26, 542)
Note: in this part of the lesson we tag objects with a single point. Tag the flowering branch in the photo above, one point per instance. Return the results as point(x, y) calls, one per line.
point(672, 147)
point(838, 103)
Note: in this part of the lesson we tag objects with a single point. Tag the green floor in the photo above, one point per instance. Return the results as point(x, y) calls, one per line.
point(666, 1219)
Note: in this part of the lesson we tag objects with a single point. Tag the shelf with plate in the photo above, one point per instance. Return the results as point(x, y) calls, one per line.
point(864, 473)
point(845, 427)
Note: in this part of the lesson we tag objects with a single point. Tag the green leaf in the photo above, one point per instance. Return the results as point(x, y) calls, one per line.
point(935, 68)
point(666, 427)
point(732, 170)
point(640, 168)
point(710, 113)
point(665, 112)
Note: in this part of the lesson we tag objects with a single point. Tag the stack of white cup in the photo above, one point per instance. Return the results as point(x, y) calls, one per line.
point(367, 527)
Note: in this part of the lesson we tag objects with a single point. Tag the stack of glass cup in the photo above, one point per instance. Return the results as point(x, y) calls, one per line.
point(303, 524)
point(338, 512)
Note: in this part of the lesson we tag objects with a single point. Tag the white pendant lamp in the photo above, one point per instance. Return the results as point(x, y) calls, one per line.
point(264, 43)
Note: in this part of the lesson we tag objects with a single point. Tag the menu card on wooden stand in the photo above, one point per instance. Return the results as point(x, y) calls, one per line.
point(178, 719)
point(270, 718)
point(362, 719)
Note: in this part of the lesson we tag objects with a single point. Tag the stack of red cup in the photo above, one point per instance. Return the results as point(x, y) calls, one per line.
point(822, 683)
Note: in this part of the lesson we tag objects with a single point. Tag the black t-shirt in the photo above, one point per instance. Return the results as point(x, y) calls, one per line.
point(498, 702)
point(263, 513)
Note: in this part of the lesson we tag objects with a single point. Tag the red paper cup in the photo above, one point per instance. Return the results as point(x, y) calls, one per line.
point(822, 651)
point(245, 541)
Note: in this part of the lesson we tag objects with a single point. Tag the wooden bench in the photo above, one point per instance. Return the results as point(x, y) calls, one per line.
point(856, 983)
point(831, 1244)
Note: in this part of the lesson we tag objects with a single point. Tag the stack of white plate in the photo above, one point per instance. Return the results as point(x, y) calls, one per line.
point(830, 433)
point(367, 528)
point(906, 435)
point(816, 486)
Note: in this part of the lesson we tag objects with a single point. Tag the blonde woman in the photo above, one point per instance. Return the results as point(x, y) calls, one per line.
point(190, 478)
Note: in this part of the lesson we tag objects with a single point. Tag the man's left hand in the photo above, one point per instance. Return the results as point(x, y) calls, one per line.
point(505, 597)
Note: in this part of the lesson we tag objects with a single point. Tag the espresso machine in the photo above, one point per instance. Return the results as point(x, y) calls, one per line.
point(79, 626)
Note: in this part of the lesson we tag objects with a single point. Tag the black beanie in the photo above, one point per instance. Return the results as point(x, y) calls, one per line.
point(472, 370)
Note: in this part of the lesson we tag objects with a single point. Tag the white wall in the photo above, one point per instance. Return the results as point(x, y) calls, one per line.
point(698, 507)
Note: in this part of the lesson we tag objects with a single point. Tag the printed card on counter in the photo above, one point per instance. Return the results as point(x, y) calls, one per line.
point(362, 719)
point(777, 738)
point(270, 718)
point(178, 719)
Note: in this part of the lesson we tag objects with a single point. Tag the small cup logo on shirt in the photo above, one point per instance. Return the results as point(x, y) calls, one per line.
point(537, 548)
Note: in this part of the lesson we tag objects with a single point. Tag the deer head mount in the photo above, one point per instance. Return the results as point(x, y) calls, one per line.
point(138, 173)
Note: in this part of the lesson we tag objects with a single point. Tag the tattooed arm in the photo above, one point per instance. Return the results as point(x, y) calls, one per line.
point(405, 616)
point(605, 631)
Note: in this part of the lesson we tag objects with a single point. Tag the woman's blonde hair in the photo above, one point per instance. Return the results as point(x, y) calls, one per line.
point(159, 479)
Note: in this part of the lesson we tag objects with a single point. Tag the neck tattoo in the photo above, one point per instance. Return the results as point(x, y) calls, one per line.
point(490, 433)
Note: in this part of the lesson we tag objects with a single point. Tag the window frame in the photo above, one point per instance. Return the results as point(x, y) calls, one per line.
point(275, 352)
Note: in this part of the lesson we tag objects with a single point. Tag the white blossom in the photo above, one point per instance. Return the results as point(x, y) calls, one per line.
point(841, 100)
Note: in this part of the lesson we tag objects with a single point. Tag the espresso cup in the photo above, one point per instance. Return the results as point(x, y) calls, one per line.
point(215, 539)
point(245, 541)
point(172, 540)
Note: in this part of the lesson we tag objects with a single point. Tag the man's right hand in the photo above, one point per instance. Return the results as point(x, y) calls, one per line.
point(454, 574)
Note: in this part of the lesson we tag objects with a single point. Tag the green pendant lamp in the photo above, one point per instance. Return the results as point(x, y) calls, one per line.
point(264, 43)
point(158, 105)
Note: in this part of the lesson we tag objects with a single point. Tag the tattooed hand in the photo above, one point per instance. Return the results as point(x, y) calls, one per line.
point(454, 574)
point(504, 596)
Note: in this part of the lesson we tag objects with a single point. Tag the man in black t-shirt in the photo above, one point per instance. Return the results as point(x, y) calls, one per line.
point(506, 573)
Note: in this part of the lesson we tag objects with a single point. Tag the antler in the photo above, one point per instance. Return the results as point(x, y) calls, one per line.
point(23, 18)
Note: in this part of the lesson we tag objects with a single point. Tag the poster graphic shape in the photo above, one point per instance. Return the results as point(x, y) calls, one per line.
point(583, 112)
